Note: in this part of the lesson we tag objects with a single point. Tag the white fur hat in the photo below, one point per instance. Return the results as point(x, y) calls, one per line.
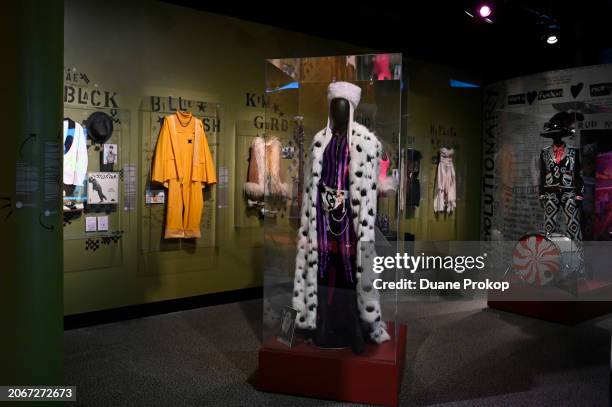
point(344, 90)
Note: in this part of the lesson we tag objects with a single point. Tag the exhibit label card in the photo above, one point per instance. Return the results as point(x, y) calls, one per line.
point(103, 223)
point(155, 196)
point(287, 326)
point(91, 224)
point(129, 187)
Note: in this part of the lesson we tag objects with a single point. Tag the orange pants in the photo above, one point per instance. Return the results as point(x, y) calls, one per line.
point(185, 203)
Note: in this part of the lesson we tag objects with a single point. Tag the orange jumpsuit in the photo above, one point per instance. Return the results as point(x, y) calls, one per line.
point(184, 165)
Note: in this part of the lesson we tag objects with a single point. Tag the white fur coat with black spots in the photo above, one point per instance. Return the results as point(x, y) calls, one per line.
point(365, 152)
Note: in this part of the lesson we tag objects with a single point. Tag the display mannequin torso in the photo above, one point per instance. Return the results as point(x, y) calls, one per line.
point(338, 317)
point(561, 185)
point(560, 168)
point(364, 151)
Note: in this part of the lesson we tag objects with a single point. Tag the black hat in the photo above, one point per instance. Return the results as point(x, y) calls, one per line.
point(99, 127)
point(561, 124)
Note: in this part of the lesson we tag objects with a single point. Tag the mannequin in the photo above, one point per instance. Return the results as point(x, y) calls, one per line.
point(339, 110)
point(445, 198)
point(561, 184)
point(331, 285)
point(413, 185)
point(338, 322)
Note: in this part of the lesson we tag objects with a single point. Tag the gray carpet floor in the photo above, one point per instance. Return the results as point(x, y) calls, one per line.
point(458, 354)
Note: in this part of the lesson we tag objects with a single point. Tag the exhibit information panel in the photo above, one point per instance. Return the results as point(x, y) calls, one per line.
point(325, 176)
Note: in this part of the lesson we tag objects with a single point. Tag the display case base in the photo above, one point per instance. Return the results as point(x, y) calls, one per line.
point(373, 377)
point(556, 305)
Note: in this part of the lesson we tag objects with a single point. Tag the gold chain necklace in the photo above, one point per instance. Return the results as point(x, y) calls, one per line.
point(181, 123)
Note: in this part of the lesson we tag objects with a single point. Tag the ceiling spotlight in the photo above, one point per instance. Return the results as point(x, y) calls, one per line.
point(485, 11)
point(552, 39)
point(551, 34)
point(481, 12)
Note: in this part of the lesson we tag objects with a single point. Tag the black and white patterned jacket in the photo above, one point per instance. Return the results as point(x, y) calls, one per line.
point(566, 176)
point(365, 152)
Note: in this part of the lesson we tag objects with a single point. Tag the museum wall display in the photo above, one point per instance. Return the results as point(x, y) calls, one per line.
point(116, 253)
point(185, 158)
point(258, 151)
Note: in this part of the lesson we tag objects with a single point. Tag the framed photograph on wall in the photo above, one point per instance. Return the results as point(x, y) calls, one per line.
point(102, 188)
point(110, 154)
point(287, 152)
point(155, 196)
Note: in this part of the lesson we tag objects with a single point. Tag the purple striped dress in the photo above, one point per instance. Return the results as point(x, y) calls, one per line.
point(336, 235)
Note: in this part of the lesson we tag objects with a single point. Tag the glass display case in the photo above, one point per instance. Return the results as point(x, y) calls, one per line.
point(542, 194)
point(98, 186)
point(546, 165)
point(327, 170)
point(180, 209)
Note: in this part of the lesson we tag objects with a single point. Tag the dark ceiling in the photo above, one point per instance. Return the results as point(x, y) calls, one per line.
point(440, 31)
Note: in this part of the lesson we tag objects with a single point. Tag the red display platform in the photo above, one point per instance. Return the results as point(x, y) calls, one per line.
point(556, 305)
point(374, 377)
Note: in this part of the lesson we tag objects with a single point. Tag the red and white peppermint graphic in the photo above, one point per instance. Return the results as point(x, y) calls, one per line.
point(536, 260)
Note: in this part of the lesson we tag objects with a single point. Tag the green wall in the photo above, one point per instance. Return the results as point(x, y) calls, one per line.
point(150, 48)
point(435, 115)
point(147, 48)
